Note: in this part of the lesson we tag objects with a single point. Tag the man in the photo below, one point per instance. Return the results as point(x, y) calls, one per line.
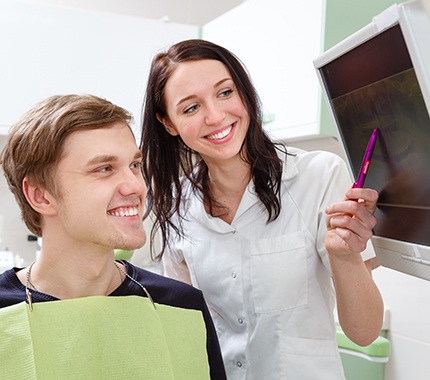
point(74, 167)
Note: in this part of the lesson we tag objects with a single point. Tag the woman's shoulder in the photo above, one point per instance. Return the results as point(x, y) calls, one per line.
point(322, 156)
point(313, 163)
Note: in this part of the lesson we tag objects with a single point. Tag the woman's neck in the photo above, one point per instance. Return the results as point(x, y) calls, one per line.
point(227, 186)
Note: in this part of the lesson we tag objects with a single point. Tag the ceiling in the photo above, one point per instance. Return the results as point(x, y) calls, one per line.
point(192, 12)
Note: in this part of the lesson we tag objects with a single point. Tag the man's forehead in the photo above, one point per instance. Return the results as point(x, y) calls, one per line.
point(100, 145)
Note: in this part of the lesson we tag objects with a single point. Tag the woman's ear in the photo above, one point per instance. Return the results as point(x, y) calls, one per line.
point(167, 125)
point(38, 198)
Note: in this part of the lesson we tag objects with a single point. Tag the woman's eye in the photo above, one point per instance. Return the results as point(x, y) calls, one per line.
point(225, 93)
point(190, 109)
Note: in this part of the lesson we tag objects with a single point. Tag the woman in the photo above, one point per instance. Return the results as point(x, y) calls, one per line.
point(243, 219)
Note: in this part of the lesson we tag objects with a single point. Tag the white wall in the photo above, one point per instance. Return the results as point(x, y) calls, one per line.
point(51, 49)
point(48, 49)
point(277, 41)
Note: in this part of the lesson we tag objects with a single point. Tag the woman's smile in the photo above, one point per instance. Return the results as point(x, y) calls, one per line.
point(220, 135)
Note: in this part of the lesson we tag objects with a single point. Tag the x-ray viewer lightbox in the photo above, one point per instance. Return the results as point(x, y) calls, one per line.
point(379, 78)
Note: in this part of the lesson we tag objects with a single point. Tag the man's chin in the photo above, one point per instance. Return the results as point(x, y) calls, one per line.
point(131, 243)
point(131, 246)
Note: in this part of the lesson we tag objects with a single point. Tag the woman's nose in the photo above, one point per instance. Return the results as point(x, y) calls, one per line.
point(214, 114)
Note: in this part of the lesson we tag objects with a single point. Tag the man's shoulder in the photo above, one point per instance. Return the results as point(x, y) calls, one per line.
point(11, 290)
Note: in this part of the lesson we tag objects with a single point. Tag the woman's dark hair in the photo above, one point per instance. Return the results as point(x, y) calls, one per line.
point(168, 161)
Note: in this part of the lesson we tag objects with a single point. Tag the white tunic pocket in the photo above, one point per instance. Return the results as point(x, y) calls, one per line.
point(279, 273)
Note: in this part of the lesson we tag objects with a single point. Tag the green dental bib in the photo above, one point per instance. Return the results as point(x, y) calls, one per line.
point(102, 338)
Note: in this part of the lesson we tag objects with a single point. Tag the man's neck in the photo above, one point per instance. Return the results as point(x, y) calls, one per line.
point(73, 277)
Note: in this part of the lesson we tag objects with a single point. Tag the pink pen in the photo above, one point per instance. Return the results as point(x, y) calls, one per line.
point(366, 160)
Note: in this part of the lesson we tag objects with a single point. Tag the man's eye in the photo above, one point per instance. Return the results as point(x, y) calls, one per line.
point(105, 169)
point(136, 165)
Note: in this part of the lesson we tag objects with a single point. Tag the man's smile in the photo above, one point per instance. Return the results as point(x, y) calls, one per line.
point(124, 211)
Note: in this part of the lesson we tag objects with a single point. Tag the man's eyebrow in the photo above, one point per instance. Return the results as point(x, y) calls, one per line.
point(105, 158)
point(102, 159)
point(138, 155)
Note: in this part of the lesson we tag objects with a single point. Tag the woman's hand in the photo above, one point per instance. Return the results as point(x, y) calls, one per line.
point(350, 222)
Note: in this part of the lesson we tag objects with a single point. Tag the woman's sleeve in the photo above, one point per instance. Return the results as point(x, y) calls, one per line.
point(174, 266)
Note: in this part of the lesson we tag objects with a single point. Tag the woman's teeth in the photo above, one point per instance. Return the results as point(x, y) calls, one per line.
point(220, 135)
point(124, 211)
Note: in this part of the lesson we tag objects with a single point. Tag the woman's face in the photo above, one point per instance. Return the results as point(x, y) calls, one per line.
point(204, 107)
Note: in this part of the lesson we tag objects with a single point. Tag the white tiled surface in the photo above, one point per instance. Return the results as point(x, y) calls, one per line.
point(408, 299)
point(409, 359)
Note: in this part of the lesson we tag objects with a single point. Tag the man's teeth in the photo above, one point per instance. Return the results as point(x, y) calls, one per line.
point(124, 211)
point(220, 135)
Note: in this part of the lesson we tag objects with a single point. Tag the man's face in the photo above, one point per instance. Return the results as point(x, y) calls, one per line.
point(101, 190)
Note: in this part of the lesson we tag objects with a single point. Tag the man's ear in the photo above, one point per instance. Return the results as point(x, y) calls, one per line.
point(38, 197)
point(167, 125)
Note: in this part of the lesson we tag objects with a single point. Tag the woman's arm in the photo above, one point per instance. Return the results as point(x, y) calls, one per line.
point(174, 269)
point(349, 227)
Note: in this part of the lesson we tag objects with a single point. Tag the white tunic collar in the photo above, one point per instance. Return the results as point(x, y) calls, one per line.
point(248, 204)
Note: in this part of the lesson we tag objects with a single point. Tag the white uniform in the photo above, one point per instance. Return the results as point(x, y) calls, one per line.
point(268, 285)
